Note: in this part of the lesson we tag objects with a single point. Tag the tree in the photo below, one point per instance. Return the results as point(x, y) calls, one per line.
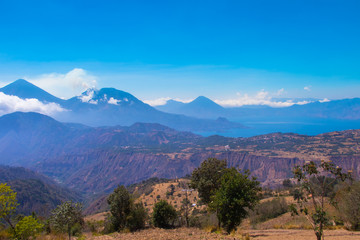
point(120, 202)
point(236, 195)
point(8, 203)
point(28, 227)
point(124, 212)
point(316, 181)
point(206, 178)
point(65, 216)
point(137, 217)
point(164, 214)
point(347, 201)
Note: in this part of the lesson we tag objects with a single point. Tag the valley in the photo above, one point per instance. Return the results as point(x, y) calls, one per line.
point(95, 160)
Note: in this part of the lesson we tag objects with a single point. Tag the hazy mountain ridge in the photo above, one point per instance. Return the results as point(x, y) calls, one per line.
point(348, 109)
point(35, 192)
point(94, 160)
point(110, 107)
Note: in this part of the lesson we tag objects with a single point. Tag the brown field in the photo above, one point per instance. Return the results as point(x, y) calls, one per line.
point(194, 233)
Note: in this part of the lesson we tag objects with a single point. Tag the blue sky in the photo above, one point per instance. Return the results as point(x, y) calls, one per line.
point(181, 49)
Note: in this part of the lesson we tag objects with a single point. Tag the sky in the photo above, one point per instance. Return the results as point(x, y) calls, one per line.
point(233, 52)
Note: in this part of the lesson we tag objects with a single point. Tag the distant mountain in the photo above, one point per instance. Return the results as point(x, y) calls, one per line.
point(24, 89)
point(96, 160)
point(24, 134)
point(201, 107)
point(110, 107)
point(344, 109)
point(35, 192)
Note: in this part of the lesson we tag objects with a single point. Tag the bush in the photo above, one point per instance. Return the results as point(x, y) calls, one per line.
point(65, 216)
point(164, 214)
point(268, 210)
point(137, 217)
point(348, 204)
point(124, 213)
point(28, 227)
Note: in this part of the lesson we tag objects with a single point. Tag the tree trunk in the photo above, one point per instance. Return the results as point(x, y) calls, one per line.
point(318, 236)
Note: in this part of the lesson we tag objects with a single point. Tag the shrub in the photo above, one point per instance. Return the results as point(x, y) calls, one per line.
point(65, 216)
point(28, 227)
point(268, 210)
point(120, 203)
point(124, 213)
point(137, 217)
point(164, 214)
point(347, 202)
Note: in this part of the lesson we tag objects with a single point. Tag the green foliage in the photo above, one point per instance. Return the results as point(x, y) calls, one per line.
point(120, 202)
point(124, 213)
point(237, 193)
point(164, 214)
point(35, 195)
point(8, 203)
point(316, 182)
point(206, 178)
point(268, 210)
point(65, 216)
point(28, 227)
point(347, 201)
point(137, 217)
point(287, 183)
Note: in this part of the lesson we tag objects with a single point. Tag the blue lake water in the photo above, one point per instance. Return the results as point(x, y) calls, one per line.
point(306, 127)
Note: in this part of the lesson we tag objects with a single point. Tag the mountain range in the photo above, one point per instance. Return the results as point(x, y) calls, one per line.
point(345, 109)
point(94, 160)
point(35, 192)
point(110, 107)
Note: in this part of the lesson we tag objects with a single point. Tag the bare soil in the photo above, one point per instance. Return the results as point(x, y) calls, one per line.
point(194, 233)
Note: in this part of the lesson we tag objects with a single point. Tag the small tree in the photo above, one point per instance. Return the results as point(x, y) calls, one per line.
point(124, 212)
point(120, 202)
point(206, 178)
point(28, 227)
point(164, 214)
point(137, 217)
point(236, 195)
point(8, 203)
point(315, 181)
point(66, 216)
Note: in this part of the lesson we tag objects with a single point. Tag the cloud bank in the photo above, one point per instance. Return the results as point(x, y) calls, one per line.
point(163, 101)
point(9, 104)
point(65, 85)
point(261, 98)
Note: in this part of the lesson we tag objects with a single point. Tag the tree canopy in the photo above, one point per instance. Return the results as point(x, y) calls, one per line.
point(65, 216)
point(236, 195)
point(206, 178)
point(8, 203)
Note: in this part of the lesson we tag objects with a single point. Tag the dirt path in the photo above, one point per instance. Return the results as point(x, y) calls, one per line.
point(193, 233)
point(280, 234)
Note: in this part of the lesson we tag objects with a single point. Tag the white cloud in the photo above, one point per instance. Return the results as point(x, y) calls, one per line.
point(88, 96)
point(114, 101)
point(307, 88)
point(65, 85)
point(158, 101)
point(9, 104)
point(324, 100)
point(261, 98)
point(163, 101)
